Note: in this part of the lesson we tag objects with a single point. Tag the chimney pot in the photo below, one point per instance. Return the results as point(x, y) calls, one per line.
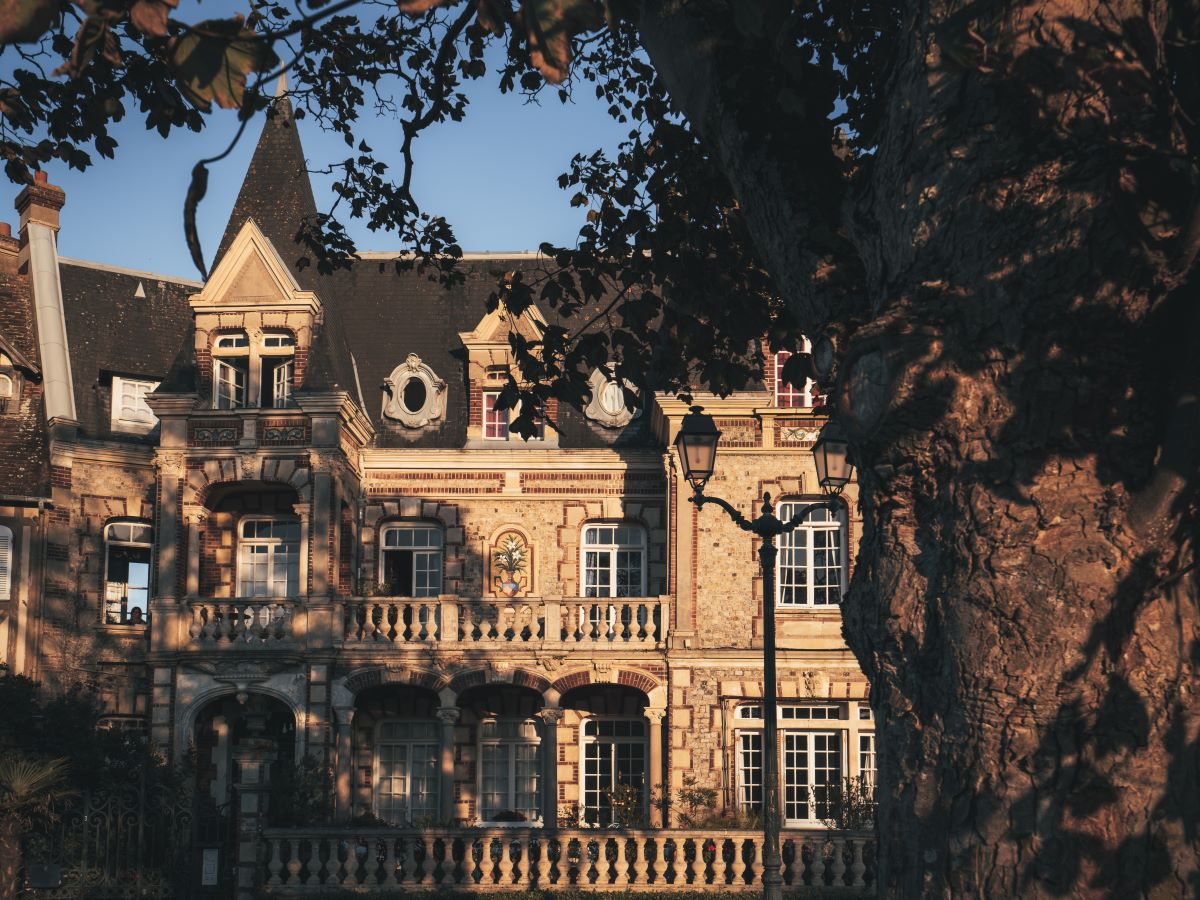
point(41, 177)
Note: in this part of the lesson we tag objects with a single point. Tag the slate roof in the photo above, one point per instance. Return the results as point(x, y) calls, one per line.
point(24, 448)
point(111, 331)
point(375, 316)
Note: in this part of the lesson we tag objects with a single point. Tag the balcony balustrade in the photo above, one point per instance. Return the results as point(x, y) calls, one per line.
point(361, 622)
point(306, 862)
point(616, 621)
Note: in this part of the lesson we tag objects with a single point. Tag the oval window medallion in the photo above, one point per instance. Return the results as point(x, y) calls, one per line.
point(608, 404)
point(414, 395)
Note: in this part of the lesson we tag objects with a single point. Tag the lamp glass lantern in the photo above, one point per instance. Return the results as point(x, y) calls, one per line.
point(696, 444)
point(831, 453)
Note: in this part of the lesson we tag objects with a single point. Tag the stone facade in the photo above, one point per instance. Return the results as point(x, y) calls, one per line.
point(278, 607)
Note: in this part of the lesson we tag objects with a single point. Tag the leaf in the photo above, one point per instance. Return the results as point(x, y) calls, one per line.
point(150, 16)
point(493, 15)
point(22, 21)
point(196, 191)
point(551, 26)
point(212, 59)
point(94, 36)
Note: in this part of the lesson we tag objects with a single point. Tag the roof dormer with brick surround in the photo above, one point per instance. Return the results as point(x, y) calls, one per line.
point(489, 362)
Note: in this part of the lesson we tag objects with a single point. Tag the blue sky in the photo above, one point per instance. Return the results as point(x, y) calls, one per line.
point(494, 176)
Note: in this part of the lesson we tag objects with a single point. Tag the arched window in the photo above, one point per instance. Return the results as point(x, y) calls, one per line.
point(410, 559)
point(127, 551)
point(407, 771)
point(268, 557)
point(231, 371)
point(613, 560)
point(247, 373)
point(510, 770)
point(811, 566)
point(7, 394)
point(6, 556)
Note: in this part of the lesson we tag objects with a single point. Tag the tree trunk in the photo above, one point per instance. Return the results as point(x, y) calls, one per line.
point(10, 857)
point(1022, 405)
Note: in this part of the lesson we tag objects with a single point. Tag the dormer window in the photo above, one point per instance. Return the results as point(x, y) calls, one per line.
point(246, 373)
point(7, 392)
point(130, 412)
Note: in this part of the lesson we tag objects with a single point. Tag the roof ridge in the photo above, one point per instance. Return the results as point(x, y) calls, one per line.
point(122, 270)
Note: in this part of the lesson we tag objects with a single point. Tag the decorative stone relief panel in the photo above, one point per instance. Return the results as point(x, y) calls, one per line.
point(608, 406)
point(415, 396)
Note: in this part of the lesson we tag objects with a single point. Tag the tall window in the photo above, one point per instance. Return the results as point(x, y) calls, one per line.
point(495, 421)
point(231, 371)
point(614, 560)
point(510, 770)
point(614, 754)
point(407, 767)
point(253, 374)
point(269, 558)
point(810, 568)
point(812, 764)
point(278, 369)
point(788, 394)
point(6, 562)
point(7, 394)
point(813, 749)
point(866, 758)
point(410, 563)
point(130, 412)
point(127, 550)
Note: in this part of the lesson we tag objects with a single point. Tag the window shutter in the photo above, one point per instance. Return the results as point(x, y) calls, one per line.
point(6, 549)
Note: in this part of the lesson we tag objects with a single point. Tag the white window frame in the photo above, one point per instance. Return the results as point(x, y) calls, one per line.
point(141, 387)
point(796, 568)
point(430, 759)
point(868, 761)
point(492, 418)
point(614, 549)
point(529, 735)
point(611, 743)
point(126, 533)
point(246, 373)
point(432, 554)
point(6, 562)
point(786, 392)
point(8, 394)
point(245, 562)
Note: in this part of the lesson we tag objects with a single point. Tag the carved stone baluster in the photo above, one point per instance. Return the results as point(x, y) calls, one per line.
point(389, 862)
point(649, 628)
point(818, 862)
point(790, 851)
point(294, 864)
point(506, 862)
point(659, 867)
point(839, 861)
point(535, 865)
point(858, 866)
point(739, 862)
point(274, 862)
point(755, 867)
point(641, 865)
point(196, 626)
point(719, 866)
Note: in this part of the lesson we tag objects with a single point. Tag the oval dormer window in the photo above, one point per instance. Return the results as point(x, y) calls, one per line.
point(413, 395)
point(608, 405)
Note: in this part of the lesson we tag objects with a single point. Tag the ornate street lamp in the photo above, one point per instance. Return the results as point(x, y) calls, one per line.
point(696, 444)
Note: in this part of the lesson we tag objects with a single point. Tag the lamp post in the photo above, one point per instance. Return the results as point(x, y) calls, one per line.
point(696, 445)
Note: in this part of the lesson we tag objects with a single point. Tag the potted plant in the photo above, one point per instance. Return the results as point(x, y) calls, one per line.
point(510, 559)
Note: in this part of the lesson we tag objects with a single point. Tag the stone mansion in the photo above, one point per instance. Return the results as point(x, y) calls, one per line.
point(278, 506)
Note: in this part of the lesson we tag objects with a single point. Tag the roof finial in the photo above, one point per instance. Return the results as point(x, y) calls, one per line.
point(281, 85)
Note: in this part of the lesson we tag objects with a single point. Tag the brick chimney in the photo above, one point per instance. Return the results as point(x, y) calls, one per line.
point(38, 205)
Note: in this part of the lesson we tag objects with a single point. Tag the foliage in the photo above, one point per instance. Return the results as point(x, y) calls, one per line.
point(627, 809)
point(694, 803)
point(29, 787)
point(570, 815)
point(510, 557)
point(302, 793)
point(851, 804)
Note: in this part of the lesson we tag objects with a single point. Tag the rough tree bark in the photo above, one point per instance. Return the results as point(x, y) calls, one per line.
point(1023, 402)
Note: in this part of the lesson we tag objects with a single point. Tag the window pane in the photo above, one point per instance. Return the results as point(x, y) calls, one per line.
point(750, 771)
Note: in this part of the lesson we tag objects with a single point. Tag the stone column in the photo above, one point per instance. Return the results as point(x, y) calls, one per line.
point(550, 717)
point(322, 485)
point(345, 762)
point(655, 780)
point(448, 715)
point(254, 757)
point(193, 555)
point(303, 513)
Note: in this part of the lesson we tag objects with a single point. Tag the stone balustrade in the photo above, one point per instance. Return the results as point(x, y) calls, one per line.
point(532, 621)
point(216, 622)
point(299, 862)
